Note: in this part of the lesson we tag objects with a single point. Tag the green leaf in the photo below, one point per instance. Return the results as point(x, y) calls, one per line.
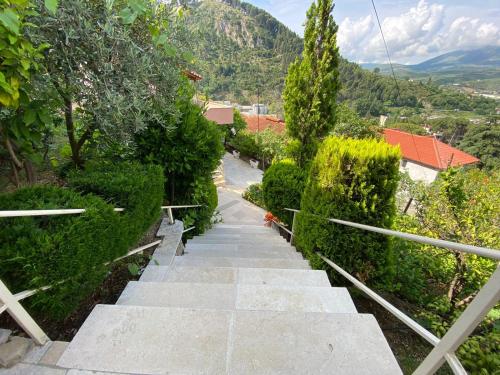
point(10, 20)
point(51, 5)
point(128, 17)
point(133, 269)
point(29, 116)
point(137, 5)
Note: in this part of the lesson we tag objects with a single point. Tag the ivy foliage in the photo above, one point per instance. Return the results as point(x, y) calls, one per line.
point(283, 184)
point(353, 180)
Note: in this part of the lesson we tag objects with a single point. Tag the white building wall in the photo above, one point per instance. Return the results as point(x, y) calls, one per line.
point(418, 172)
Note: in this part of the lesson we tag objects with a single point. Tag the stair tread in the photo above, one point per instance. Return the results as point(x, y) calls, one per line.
point(239, 297)
point(240, 262)
point(243, 253)
point(151, 340)
point(253, 276)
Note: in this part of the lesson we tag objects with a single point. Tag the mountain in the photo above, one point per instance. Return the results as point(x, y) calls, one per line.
point(482, 57)
point(457, 67)
point(243, 53)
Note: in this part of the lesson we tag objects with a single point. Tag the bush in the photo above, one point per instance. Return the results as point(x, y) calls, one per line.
point(283, 184)
point(40, 251)
point(246, 143)
point(136, 188)
point(254, 194)
point(204, 194)
point(352, 180)
point(189, 149)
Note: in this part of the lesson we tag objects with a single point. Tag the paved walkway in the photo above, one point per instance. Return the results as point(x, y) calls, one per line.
point(238, 175)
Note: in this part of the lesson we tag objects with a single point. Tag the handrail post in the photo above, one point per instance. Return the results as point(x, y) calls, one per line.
point(170, 216)
point(21, 316)
point(485, 300)
point(293, 229)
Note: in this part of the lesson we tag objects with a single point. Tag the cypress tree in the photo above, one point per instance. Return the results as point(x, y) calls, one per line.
point(312, 83)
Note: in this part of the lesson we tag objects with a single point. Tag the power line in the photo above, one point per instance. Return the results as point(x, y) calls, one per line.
point(386, 49)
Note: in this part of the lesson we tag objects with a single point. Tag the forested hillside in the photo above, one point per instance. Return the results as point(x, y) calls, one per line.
point(242, 51)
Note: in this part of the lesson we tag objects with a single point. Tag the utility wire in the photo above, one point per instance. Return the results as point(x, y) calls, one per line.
point(386, 49)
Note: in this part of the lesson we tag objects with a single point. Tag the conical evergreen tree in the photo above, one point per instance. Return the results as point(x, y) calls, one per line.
point(312, 83)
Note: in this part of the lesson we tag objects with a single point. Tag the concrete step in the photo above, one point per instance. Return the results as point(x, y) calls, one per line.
point(151, 340)
point(249, 230)
point(233, 246)
point(240, 297)
point(251, 276)
point(263, 235)
point(247, 241)
point(243, 253)
point(198, 261)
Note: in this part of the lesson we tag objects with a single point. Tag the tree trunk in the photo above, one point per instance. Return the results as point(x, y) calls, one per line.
point(456, 284)
point(30, 171)
point(70, 128)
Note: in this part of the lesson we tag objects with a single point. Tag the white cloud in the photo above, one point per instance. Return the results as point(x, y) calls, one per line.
point(420, 32)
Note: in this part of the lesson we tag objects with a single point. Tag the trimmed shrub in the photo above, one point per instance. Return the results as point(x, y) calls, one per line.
point(282, 185)
point(40, 251)
point(353, 180)
point(135, 187)
point(245, 142)
point(254, 195)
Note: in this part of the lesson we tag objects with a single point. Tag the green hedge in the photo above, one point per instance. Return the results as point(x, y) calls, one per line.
point(39, 251)
point(254, 194)
point(353, 180)
point(245, 142)
point(135, 187)
point(204, 194)
point(283, 185)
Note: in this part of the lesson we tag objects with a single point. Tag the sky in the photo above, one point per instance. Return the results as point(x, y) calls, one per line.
point(414, 30)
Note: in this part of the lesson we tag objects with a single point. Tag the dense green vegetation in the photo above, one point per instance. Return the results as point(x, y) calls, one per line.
point(283, 184)
point(70, 251)
point(189, 149)
point(352, 180)
point(460, 206)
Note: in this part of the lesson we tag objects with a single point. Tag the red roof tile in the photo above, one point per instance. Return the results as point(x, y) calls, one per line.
point(264, 122)
point(221, 115)
point(427, 150)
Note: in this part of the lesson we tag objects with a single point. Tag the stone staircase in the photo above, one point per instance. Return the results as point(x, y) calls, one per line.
point(240, 300)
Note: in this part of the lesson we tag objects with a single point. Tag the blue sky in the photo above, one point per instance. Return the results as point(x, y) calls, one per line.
point(414, 30)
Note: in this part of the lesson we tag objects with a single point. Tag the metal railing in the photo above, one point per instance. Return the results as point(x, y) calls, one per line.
point(11, 302)
point(170, 208)
point(444, 348)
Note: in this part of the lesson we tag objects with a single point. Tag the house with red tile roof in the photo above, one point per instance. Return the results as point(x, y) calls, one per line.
point(260, 123)
point(424, 156)
point(220, 113)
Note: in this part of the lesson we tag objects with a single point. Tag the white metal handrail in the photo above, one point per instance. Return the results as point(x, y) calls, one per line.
point(11, 302)
point(170, 208)
point(444, 349)
point(53, 212)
